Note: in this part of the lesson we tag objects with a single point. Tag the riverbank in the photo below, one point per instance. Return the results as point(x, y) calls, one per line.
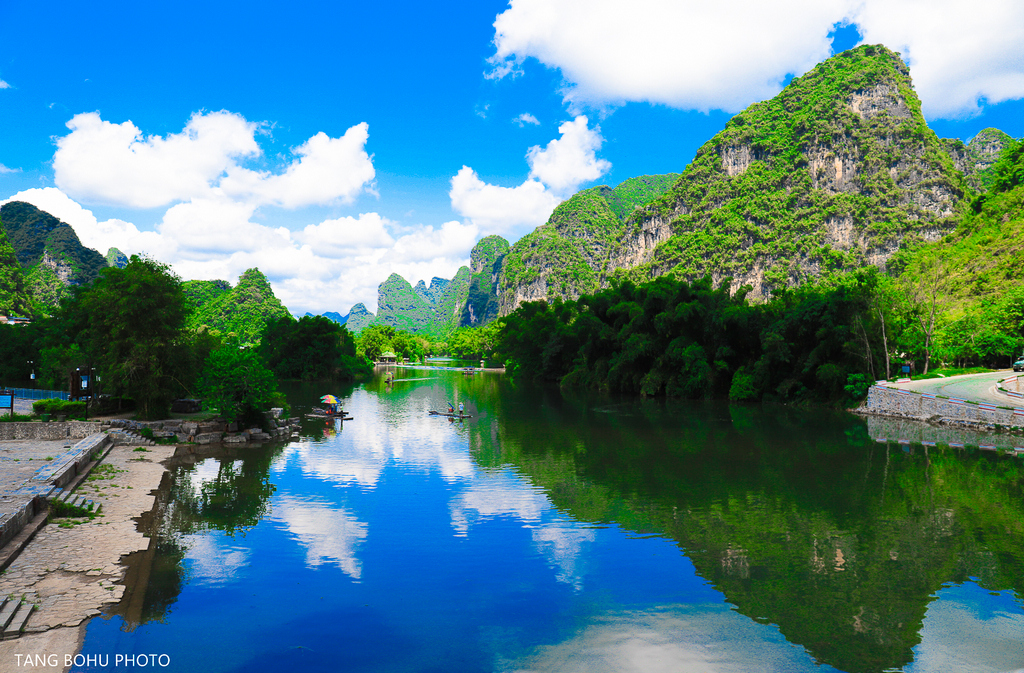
point(982, 404)
point(72, 568)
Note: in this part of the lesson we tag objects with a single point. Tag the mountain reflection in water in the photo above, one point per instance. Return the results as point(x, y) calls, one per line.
point(562, 533)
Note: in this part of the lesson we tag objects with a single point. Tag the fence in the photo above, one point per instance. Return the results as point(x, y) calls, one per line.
point(36, 394)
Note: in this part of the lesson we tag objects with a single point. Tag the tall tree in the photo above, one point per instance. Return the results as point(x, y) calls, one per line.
point(133, 326)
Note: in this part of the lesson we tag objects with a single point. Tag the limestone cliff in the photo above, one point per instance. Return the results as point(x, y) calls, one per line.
point(838, 171)
point(486, 260)
point(358, 318)
point(976, 158)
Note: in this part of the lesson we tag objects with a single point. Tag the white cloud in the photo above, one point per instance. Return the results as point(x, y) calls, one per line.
point(556, 171)
point(328, 169)
point(697, 55)
point(959, 53)
point(5, 169)
point(569, 161)
point(348, 236)
point(115, 163)
point(497, 209)
point(329, 534)
point(726, 55)
point(210, 228)
point(4, 85)
point(526, 118)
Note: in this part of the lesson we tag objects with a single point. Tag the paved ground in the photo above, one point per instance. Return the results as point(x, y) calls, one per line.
point(973, 387)
point(19, 460)
point(72, 571)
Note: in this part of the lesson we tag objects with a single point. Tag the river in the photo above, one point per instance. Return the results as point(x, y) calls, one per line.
point(547, 532)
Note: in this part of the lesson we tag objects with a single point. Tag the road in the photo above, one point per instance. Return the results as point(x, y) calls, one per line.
point(974, 387)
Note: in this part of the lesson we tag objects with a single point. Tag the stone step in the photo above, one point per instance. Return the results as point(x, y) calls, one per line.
point(13, 630)
point(7, 612)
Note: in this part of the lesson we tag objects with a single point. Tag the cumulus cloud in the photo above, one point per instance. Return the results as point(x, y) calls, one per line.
point(114, 163)
point(569, 161)
point(4, 85)
point(959, 54)
point(104, 162)
point(526, 118)
point(697, 55)
point(728, 54)
point(556, 171)
point(327, 169)
point(497, 209)
point(211, 227)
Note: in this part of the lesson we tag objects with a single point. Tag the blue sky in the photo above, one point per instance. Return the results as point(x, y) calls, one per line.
point(330, 144)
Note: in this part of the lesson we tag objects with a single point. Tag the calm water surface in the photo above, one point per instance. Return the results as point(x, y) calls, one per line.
point(548, 533)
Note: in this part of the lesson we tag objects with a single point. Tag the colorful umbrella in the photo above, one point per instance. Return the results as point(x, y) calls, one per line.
point(329, 399)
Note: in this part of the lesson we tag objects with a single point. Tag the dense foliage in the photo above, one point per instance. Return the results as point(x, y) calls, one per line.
point(237, 384)
point(241, 312)
point(819, 342)
point(14, 299)
point(130, 324)
point(313, 347)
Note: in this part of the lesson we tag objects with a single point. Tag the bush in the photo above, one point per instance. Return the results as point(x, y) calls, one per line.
point(55, 406)
point(15, 418)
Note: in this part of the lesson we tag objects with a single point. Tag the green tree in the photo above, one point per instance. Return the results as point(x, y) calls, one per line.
point(131, 322)
point(313, 347)
point(237, 384)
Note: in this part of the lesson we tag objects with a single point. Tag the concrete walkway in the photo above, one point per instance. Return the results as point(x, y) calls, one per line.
point(970, 387)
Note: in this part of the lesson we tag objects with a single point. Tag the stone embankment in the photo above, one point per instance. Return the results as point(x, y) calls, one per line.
point(48, 431)
point(200, 432)
point(883, 400)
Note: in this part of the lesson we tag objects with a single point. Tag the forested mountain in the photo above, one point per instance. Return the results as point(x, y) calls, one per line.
point(976, 159)
point(436, 310)
point(14, 299)
point(486, 261)
point(570, 254)
point(838, 171)
point(243, 310)
point(49, 252)
point(116, 258)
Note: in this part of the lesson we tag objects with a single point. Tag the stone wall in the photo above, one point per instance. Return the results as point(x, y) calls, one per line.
point(54, 430)
point(929, 407)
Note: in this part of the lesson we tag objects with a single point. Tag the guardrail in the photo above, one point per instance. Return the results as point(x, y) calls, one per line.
point(37, 394)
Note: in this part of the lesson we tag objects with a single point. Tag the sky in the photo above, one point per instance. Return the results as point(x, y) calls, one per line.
point(330, 144)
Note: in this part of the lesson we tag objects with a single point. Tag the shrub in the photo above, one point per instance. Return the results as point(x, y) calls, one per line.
point(55, 406)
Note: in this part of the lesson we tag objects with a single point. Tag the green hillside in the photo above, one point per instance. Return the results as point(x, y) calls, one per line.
point(486, 260)
point(243, 310)
point(50, 254)
point(568, 256)
point(972, 278)
point(14, 299)
point(836, 172)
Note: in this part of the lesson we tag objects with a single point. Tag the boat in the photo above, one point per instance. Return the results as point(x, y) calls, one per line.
point(447, 415)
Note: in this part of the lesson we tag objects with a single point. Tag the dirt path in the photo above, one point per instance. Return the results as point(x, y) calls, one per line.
point(71, 569)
